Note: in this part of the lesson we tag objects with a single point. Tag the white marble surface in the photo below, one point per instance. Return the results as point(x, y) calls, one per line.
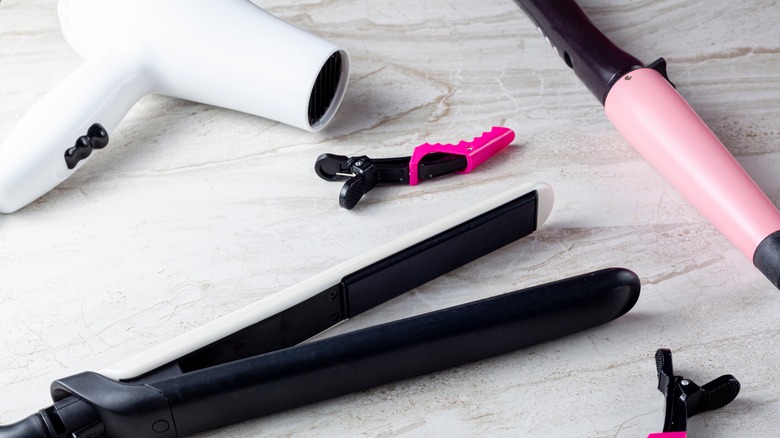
point(194, 211)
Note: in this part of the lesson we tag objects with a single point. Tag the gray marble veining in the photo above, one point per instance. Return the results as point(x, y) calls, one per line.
point(194, 211)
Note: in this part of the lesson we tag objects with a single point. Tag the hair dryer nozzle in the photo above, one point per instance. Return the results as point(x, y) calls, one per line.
point(328, 90)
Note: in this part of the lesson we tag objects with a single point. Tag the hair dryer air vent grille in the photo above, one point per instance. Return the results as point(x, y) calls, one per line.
point(325, 88)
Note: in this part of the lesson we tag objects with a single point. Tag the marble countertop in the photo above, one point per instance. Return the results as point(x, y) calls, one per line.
point(195, 211)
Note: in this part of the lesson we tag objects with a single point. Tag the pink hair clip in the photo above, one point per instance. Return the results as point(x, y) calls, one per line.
point(427, 161)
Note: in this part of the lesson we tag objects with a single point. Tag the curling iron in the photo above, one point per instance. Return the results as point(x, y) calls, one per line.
point(647, 110)
point(227, 53)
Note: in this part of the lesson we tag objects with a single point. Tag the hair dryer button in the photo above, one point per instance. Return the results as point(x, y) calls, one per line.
point(96, 138)
point(78, 152)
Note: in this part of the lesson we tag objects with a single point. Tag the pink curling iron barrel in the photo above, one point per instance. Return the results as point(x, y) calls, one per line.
point(644, 106)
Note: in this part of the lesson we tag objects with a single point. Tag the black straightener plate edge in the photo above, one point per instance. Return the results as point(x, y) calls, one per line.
point(440, 254)
point(367, 287)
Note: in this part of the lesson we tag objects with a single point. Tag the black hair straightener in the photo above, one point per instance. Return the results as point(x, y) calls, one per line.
point(254, 361)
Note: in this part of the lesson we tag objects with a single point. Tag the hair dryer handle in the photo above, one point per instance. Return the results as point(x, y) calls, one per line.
point(57, 134)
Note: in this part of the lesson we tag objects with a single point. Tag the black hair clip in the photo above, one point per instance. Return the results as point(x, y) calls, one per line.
point(427, 161)
point(684, 399)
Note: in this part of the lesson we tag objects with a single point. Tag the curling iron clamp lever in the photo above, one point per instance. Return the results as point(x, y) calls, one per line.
point(659, 65)
point(427, 161)
point(684, 399)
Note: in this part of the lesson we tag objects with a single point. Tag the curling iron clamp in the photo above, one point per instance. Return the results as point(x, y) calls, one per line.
point(249, 363)
point(226, 53)
point(644, 106)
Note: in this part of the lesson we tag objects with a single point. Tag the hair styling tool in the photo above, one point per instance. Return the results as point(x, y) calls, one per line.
point(227, 53)
point(684, 399)
point(186, 400)
point(120, 400)
point(427, 161)
point(647, 110)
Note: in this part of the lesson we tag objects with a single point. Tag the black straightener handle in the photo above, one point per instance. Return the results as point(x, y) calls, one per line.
point(291, 377)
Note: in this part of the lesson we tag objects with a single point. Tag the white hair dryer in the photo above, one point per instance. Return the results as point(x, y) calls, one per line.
point(227, 53)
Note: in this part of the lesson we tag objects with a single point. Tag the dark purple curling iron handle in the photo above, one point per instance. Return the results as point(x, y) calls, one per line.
point(571, 33)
